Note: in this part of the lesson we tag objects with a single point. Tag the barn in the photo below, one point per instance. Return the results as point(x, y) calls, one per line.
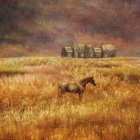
point(98, 52)
point(81, 50)
point(75, 49)
point(89, 51)
point(109, 50)
point(67, 52)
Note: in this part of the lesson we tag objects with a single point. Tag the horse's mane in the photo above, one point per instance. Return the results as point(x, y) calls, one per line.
point(85, 79)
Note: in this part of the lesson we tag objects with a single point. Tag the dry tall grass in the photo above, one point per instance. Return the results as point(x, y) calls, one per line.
point(30, 110)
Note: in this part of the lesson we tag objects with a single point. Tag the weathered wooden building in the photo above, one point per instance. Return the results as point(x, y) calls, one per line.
point(81, 50)
point(89, 51)
point(67, 52)
point(75, 49)
point(98, 52)
point(108, 50)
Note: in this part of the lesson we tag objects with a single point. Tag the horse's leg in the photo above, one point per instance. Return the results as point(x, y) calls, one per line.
point(81, 93)
point(59, 91)
point(80, 96)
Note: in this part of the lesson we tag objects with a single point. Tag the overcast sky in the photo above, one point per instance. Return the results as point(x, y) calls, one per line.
point(51, 24)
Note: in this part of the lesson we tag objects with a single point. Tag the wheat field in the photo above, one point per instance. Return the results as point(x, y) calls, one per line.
point(30, 109)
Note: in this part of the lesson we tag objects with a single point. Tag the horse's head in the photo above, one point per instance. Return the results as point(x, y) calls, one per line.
point(91, 80)
point(83, 82)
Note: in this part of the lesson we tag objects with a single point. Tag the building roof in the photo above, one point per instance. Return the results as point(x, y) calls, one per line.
point(81, 45)
point(97, 50)
point(108, 47)
point(88, 46)
point(68, 49)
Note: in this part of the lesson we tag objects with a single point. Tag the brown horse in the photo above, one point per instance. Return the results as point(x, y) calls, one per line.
point(78, 87)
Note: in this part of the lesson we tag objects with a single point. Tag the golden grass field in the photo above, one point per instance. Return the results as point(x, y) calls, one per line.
point(30, 109)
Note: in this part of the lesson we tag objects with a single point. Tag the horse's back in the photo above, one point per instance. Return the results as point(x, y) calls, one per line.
point(73, 85)
point(62, 84)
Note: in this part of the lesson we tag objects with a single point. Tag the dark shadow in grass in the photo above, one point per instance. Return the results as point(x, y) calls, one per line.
point(102, 65)
point(7, 73)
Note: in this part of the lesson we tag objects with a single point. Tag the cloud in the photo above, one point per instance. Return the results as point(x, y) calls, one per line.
point(54, 23)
